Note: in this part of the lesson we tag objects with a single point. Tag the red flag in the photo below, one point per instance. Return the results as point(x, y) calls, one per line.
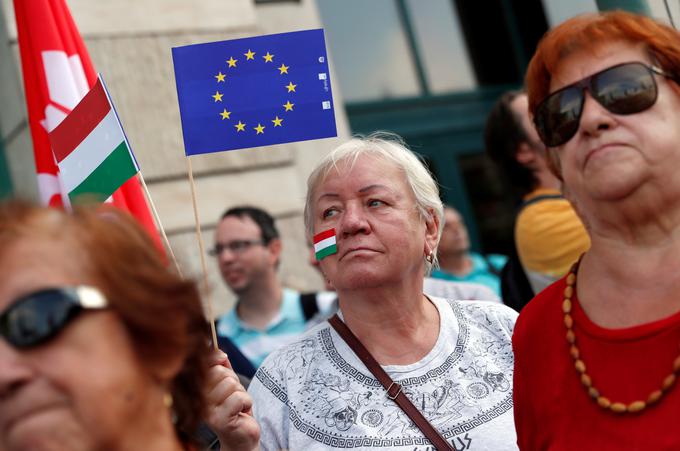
point(57, 73)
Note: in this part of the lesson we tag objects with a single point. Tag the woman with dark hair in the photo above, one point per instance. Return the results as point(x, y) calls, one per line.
point(101, 346)
point(596, 353)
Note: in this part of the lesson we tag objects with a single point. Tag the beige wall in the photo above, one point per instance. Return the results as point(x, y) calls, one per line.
point(129, 42)
point(13, 126)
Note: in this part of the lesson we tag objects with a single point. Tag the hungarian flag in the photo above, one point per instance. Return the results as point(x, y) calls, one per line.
point(324, 244)
point(57, 73)
point(92, 153)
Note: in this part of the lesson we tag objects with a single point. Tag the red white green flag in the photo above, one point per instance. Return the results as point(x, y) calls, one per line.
point(324, 244)
point(57, 73)
point(91, 150)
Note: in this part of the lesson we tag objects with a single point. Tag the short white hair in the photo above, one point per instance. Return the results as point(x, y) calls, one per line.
point(391, 148)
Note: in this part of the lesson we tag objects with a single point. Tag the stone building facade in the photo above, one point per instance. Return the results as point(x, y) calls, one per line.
point(130, 43)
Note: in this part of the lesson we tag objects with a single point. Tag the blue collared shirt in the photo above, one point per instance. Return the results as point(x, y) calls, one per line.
point(256, 344)
point(480, 272)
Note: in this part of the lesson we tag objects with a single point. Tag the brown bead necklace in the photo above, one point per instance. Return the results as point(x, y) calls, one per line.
point(586, 381)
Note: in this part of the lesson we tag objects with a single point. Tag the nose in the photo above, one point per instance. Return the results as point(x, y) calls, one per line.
point(13, 372)
point(353, 220)
point(595, 119)
point(226, 255)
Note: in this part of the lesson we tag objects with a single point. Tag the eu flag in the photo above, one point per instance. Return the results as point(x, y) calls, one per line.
point(254, 91)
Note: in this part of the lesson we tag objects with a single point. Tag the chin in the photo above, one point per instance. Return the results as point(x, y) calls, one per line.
point(618, 189)
point(355, 280)
point(41, 435)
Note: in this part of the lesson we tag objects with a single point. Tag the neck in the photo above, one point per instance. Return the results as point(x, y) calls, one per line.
point(260, 302)
point(546, 179)
point(458, 263)
point(152, 429)
point(623, 285)
point(630, 275)
point(646, 220)
point(397, 324)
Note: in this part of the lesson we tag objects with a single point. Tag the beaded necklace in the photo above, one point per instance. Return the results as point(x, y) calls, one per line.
point(586, 380)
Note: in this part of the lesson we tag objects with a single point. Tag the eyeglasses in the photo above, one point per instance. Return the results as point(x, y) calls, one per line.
point(37, 317)
point(626, 88)
point(236, 247)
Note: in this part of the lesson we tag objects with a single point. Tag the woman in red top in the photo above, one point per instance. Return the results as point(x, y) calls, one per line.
point(597, 352)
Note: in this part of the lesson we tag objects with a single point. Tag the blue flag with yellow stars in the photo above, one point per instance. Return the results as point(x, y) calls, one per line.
point(254, 92)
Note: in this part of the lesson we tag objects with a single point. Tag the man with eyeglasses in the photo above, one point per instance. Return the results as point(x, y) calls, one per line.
point(549, 236)
point(266, 315)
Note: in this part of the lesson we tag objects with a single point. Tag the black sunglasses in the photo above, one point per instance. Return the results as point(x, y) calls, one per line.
point(37, 317)
point(626, 88)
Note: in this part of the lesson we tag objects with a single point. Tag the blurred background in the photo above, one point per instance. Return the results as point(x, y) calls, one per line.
point(428, 70)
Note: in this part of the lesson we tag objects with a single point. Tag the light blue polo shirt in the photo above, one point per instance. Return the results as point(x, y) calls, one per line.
point(256, 344)
point(480, 273)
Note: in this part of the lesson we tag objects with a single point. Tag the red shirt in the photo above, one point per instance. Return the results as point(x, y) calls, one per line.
point(553, 410)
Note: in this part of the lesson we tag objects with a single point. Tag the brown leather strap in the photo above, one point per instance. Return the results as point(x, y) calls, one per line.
point(393, 389)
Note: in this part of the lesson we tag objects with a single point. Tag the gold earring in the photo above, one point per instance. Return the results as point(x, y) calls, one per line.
point(167, 400)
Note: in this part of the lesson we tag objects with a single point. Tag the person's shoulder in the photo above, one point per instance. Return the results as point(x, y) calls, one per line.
point(488, 307)
point(535, 316)
point(228, 324)
point(545, 205)
point(466, 291)
point(304, 341)
point(485, 311)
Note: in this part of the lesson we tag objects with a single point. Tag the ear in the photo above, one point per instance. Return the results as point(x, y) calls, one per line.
point(275, 248)
point(525, 154)
point(431, 232)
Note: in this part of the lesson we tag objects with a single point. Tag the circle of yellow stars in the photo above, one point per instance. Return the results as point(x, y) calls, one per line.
point(225, 114)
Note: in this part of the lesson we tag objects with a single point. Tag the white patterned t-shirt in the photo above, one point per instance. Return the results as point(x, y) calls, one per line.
point(315, 394)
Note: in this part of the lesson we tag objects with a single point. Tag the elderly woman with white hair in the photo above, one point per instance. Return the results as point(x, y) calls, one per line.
point(395, 369)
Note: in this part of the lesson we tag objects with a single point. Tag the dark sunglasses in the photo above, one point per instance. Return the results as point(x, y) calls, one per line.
point(626, 88)
point(37, 317)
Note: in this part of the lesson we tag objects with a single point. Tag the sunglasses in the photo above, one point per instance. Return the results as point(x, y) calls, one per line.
point(37, 317)
point(626, 88)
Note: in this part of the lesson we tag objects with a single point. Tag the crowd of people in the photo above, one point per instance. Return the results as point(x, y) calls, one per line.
point(410, 346)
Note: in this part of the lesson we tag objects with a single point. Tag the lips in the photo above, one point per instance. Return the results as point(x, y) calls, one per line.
point(353, 250)
point(599, 148)
point(232, 275)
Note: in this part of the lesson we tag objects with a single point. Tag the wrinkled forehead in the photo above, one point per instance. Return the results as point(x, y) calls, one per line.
point(362, 169)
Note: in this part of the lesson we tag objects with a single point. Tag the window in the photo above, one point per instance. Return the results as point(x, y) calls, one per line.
point(380, 46)
point(369, 48)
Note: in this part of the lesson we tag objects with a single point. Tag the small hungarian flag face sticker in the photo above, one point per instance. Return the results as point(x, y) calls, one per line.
point(324, 244)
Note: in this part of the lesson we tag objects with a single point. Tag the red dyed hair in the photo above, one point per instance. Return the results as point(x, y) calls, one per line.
point(589, 30)
point(161, 312)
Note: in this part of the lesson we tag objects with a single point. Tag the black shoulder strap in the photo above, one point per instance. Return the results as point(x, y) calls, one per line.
point(393, 389)
point(309, 305)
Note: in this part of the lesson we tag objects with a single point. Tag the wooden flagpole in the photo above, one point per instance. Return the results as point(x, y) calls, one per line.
point(158, 222)
point(211, 314)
